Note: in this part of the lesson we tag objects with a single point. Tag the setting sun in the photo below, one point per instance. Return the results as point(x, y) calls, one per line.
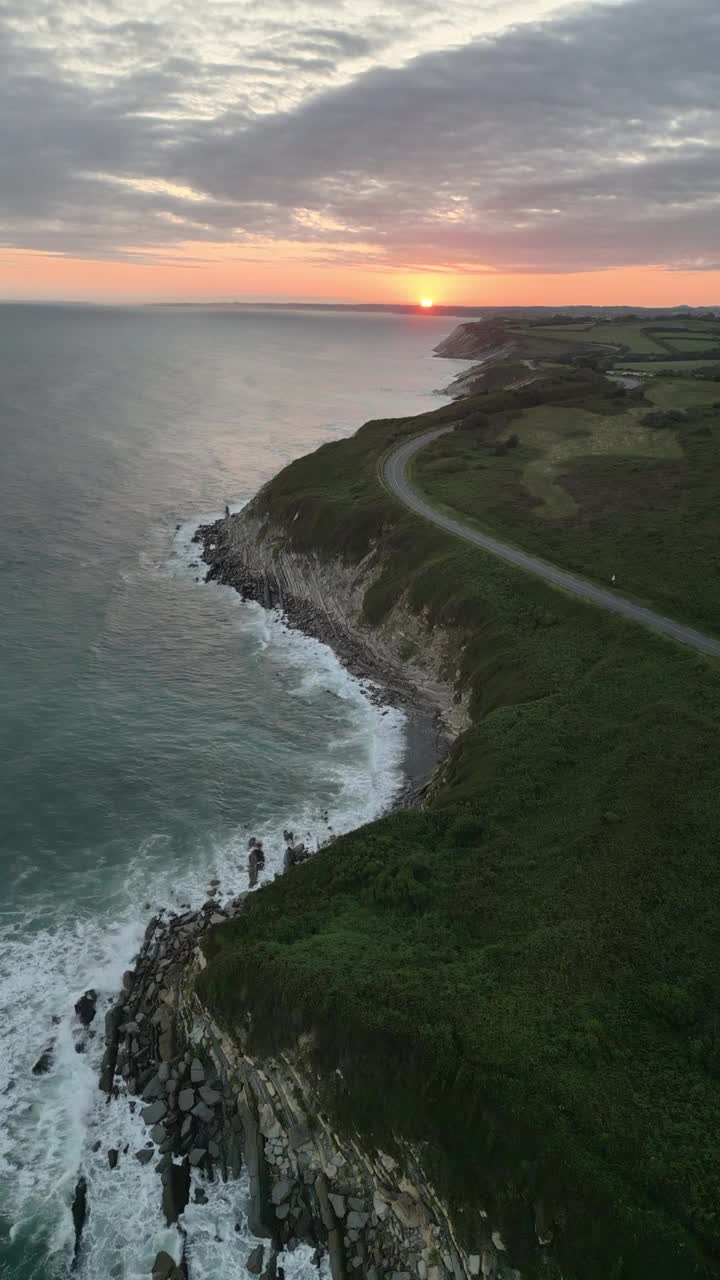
point(426, 302)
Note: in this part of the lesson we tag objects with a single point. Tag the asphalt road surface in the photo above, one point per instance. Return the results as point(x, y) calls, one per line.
point(396, 479)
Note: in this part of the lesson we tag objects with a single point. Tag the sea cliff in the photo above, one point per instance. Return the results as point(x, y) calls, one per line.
point(471, 986)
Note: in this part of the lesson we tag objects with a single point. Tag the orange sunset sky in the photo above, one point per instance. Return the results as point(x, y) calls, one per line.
point(524, 153)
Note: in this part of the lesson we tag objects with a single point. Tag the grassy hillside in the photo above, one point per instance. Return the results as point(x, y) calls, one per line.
point(612, 483)
point(525, 974)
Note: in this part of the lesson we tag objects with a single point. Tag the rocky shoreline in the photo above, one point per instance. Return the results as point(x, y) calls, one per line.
point(212, 1111)
point(192, 1120)
point(387, 683)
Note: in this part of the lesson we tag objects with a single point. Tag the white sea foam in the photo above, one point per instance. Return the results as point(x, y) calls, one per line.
point(55, 1126)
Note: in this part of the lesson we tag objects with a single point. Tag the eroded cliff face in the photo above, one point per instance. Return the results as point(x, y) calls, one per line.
point(414, 665)
point(213, 1107)
point(474, 339)
point(375, 1213)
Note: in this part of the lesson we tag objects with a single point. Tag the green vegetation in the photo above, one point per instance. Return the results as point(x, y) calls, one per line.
point(653, 339)
point(524, 975)
point(599, 485)
point(682, 365)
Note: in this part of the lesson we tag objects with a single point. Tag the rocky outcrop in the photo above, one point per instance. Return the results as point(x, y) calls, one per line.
point(374, 1213)
point(475, 338)
point(209, 1105)
point(410, 665)
point(192, 1120)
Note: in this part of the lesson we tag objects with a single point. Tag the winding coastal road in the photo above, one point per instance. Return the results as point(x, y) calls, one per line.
point(394, 472)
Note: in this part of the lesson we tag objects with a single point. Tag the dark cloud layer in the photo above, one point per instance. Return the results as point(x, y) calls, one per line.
point(588, 140)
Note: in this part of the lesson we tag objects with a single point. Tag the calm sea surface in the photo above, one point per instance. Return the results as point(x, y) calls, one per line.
point(149, 723)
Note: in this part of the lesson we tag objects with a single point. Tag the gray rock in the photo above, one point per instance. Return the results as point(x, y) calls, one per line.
point(214, 1150)
point(281, 1191)
point(155, 1112)
point(85, 1007)
point(44, 1062)
point(197, 1071)
point(282, 1211)
point(358, 1220)
point(255, 1260)
point(203, 1112)
point(171, 1086)
point(210, 1096)
point(166, 1044)
point(155, 1089)
point(158, 1133)
point(112, 1156)
point(176, 1190)
point(164, 1072)
point(164, 1268)
point(338, 1204)
point(79, 1212)
point(185, 1127)
point(144, 1155)
point(186, 1099)
point(356, 1203)
point(299, 1135)
point(197, 1155)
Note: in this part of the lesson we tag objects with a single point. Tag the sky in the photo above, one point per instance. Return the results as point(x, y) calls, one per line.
point(497, 152)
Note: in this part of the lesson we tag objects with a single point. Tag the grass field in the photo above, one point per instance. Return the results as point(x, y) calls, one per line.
point(661, 366)
point(689, 342)
point(560, 435)
point(629, 336)
point(598, 491)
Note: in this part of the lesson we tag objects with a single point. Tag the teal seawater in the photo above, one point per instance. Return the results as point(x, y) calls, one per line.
point(151, 723)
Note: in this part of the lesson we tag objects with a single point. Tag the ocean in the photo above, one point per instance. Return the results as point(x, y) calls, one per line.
point(152, 723)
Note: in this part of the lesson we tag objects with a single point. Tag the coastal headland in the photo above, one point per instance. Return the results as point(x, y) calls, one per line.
point(479, 1036)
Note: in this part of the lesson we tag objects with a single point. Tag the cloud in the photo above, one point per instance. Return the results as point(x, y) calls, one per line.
point(589, 139)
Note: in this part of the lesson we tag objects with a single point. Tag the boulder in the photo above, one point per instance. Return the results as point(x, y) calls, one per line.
point(112, 1156)
point(254, 1263)
point(165, 1268)
point(154, 1113)
point(144, 1155)
point(338, 1204)
point(197, 1155)
point(85, 1007)
point(155, 1089)
point(197, 1071)
point(356, 1221)
point(176, 1190)
point(203, 1112)
point(79, 1211)
point(44, 1062)
point(281, 1191)
point(186, 1099)
point(166, 1044)
point(210, 1096)
point(158, 1133)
